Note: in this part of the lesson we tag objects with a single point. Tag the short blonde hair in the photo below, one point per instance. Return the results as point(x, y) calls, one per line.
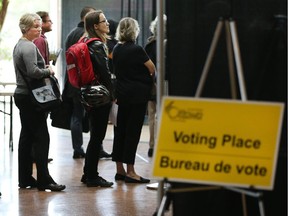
point(153, 25)
point(127, 30)
point(27, 21)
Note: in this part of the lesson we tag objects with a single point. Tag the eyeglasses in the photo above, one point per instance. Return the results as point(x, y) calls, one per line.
point(103, 21)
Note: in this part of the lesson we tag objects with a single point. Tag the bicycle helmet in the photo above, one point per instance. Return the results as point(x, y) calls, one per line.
point(95, 96)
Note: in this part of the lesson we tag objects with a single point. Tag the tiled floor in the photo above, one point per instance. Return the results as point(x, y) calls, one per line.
point(76, 199)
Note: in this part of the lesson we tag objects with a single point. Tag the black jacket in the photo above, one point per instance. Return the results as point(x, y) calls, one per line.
point(74, 35)
point(99, 56)
point(72, 38)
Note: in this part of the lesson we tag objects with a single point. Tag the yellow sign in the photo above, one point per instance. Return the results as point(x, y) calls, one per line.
point(220, 142)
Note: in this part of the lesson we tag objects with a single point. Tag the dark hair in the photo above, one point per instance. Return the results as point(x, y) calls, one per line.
point(42, 14)
point(86, 10)
point(91, 19)
point(112, 26)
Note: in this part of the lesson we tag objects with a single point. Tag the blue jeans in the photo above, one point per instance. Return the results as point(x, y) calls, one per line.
point(76, 126)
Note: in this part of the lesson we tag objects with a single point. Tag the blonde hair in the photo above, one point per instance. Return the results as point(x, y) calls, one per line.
point(127, 30)
point(27, 21)
point(153, 25)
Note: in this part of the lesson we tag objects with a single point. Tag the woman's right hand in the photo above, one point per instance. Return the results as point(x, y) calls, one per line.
point(151, 67)
point(50, 69)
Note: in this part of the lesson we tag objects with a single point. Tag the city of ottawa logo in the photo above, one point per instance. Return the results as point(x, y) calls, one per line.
point(180, 114)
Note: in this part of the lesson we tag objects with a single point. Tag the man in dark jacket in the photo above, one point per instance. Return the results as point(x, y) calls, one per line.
point(72, 93)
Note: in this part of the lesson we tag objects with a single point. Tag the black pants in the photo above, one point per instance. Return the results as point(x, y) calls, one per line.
point(98, 120)
point(34, 134)
point(130, 118)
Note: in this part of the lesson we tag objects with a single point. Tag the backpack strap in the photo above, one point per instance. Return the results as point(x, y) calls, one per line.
point(88, 40)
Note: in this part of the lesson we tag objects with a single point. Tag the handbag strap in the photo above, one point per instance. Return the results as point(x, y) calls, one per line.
point(26, 81)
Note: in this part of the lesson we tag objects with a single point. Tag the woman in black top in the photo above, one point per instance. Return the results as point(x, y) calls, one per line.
point(97, 26)
point(134, 73)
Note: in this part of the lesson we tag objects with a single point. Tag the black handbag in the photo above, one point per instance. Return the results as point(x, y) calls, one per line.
point(94, 96)
point(61, 117)
point(45, 93)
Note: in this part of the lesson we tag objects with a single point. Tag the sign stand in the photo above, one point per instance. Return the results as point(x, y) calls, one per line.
point(232, 45)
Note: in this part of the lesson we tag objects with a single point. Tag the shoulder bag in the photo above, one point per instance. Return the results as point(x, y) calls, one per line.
point(44, 93)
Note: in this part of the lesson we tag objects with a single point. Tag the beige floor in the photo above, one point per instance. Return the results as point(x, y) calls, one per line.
point(77, 199)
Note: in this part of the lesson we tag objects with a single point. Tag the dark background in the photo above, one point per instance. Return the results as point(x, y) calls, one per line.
point(262, 33)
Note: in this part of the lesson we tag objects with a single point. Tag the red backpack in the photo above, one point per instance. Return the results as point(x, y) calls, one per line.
point(79, 65)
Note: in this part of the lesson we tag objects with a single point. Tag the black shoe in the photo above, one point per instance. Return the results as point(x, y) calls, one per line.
point(104, 154)
point(77, 155)
point(119, 177)
point(98, 182)
point(150, 152)
point(31, 184)
point(52, 187)
point(83, 179)
point(48, 161)
point(132, 180)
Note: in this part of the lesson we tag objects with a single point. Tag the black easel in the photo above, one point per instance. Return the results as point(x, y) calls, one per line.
point(232, 47)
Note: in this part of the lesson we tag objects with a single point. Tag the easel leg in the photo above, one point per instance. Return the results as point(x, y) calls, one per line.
point(244, 204)
point(160, 192)
point(238, 60)
point(230, 60)
point(209, 57)
point(261, 204)
point(258, 195)
point(162, 206)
